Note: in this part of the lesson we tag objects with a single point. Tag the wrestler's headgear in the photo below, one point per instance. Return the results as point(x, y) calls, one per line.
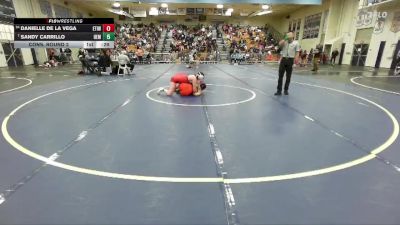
point(200, 75)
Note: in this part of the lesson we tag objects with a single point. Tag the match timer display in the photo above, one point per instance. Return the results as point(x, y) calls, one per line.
point(64, 33)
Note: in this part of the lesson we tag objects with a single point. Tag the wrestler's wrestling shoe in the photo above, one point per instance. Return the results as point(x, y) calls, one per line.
point(161, 90)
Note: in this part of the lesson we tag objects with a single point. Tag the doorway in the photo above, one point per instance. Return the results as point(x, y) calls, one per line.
point(341, 53)
point(13, 55)
point(394, 58)
point(361, 45)
point(34, 57)
point(360, 52)
point(380, 53)
point(327, 53)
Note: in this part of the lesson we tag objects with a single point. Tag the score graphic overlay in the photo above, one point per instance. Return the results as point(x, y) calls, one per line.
point(64, 33)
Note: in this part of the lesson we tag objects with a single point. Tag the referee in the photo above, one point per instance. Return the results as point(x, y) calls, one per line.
point(289, 52)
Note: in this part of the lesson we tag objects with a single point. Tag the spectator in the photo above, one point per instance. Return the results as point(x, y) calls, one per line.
point(81, 57)
point(335, 53)
point(105, 61)
point(140, 35)
point(310, 55)
point(304, 58)
point(68, 53)
point(139, 54)
point(290, 49)
point(52, 55)
point(123, 60)
point(317, 56)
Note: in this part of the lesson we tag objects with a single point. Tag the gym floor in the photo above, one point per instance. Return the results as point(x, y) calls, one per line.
point(109, 150)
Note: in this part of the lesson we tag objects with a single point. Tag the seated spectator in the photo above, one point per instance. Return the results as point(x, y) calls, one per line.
point(105, 61)
point(123, 60)
point(90, 63)
point(68, 53)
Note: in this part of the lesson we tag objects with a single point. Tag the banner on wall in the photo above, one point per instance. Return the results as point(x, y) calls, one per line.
point(395, 22)
point(7, 12)
point(364, 18)
point(162, 11)
point(311, 26)
point(209, 11)
point(218, 12)
point(139, 12)
point(371, 18)
point(173, 12)
point(190, 11)
point(380, 22)
point(199, 11)
point(181, 11)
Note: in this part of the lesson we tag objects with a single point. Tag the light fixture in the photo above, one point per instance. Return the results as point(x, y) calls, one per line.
point(264, 12)
point(116, 4)
point(220, 6)
point(229, 12)
point(120, 12)
point(164, 5)
point(153, 11)
point(265, 6)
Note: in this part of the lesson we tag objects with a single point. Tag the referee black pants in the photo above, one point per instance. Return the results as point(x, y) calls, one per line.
point(286, 65)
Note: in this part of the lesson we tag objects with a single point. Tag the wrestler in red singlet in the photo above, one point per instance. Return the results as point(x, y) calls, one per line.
point(185, 89)
point(180, 78)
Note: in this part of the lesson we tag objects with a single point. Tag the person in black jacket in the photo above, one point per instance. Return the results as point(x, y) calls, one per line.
point(68, 53)
point(397, 64)
point(335, 53)
point(104, 60)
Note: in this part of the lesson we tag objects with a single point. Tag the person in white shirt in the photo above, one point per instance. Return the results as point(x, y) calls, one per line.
point(123, 60)
point(290, 51)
